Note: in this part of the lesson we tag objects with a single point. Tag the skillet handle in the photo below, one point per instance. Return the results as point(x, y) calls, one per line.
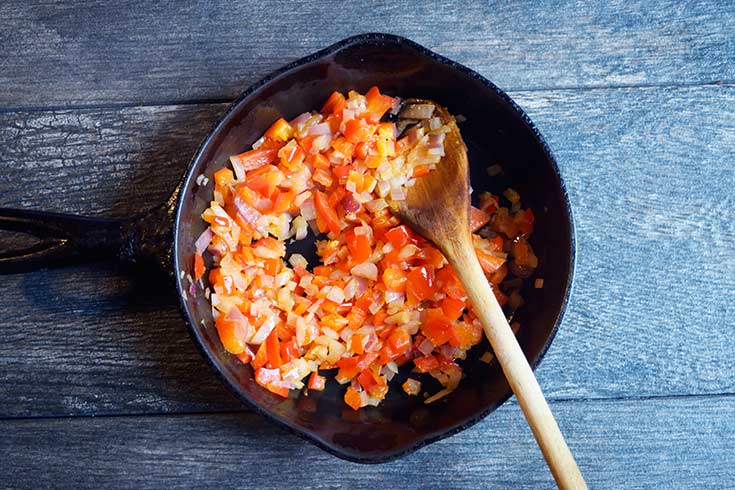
point(67, 239)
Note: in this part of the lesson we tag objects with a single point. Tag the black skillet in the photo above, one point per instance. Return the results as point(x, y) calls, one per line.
point(496, 130)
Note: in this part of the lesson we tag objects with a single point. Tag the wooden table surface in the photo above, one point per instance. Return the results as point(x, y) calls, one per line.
point(102, 104)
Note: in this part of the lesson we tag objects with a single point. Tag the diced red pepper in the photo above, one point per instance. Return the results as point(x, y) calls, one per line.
point(353, 398)
point(465, 334)
point(376, 386)
point(478, 218)
point(524, 221)
point(232, 334)
point(349, 367)
point(245, 357)
point(335, 104)
point(394, 279)
point(420, 283)
point(253, 159)
point(378, 104)
point(344, 147)
point(448, 283)
point(488, 202)
point(358, 130)
point(426, 364)
point(398, 236)
point(359, 246)
point(273, 348)
point(199, 268)
point(523, 254)
point(316, 382)
point(326, 213)
point(489, 262)
point(261, 356)
point(436, 327)
point(361, 150)
point(499, 295)
point(280, 130)
point(399, 341)
point(223, 177)
point(421, 170)
point(452, 307)
point(289, 350)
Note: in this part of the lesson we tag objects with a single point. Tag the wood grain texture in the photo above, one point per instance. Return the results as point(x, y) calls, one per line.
point(651, 313)
point(116, 161)
point(651, 177)
point(91, 52)
point(666, 443)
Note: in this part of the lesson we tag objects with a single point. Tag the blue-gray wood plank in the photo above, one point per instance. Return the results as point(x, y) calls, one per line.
point(90, 52)
point(679, 443)
point(102, 105)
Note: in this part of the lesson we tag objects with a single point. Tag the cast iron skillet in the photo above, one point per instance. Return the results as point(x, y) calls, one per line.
point(496, 131)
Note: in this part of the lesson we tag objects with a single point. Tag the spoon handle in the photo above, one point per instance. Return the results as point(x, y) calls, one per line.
point(515, 366)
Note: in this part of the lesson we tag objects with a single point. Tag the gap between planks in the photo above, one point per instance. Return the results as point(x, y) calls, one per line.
point(245, 410)
point(225, 100)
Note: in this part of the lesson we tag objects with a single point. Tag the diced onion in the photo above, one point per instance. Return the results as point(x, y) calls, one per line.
point(259, 143)
point(393, 296)
point(439, 394)
point(246, 212)
point(321, 128)
point(368, 270)
point(238, 168)
point(202, 242)
point(264, 330)
point(408, 251)
point(336, 294)
point(300, 119)
point(308, 210)
point(356, 287)
point(425, 347)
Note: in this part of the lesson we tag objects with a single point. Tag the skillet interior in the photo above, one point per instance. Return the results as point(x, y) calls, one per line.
point(496, 131)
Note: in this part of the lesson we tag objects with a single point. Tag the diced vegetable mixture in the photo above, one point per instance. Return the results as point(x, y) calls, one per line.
point(381, 297)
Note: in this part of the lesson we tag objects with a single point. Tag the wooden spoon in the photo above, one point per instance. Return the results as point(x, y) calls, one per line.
point(438, 208)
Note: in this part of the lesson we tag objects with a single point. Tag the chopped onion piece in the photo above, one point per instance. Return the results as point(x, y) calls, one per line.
point(368, 270)
point(265, 329)
point(321, 128)
point(412, 387)
point(425, 347)
point(393, 297)
point(298, 260)
point(440, 394)
point(408, 251)
point(308, 210)
point(336, 294)
point(300, 119)
point(246, 212)
point(202, 242)
point(299, 228)
point(487, 357)
point(259, 143)
point(238, 168)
